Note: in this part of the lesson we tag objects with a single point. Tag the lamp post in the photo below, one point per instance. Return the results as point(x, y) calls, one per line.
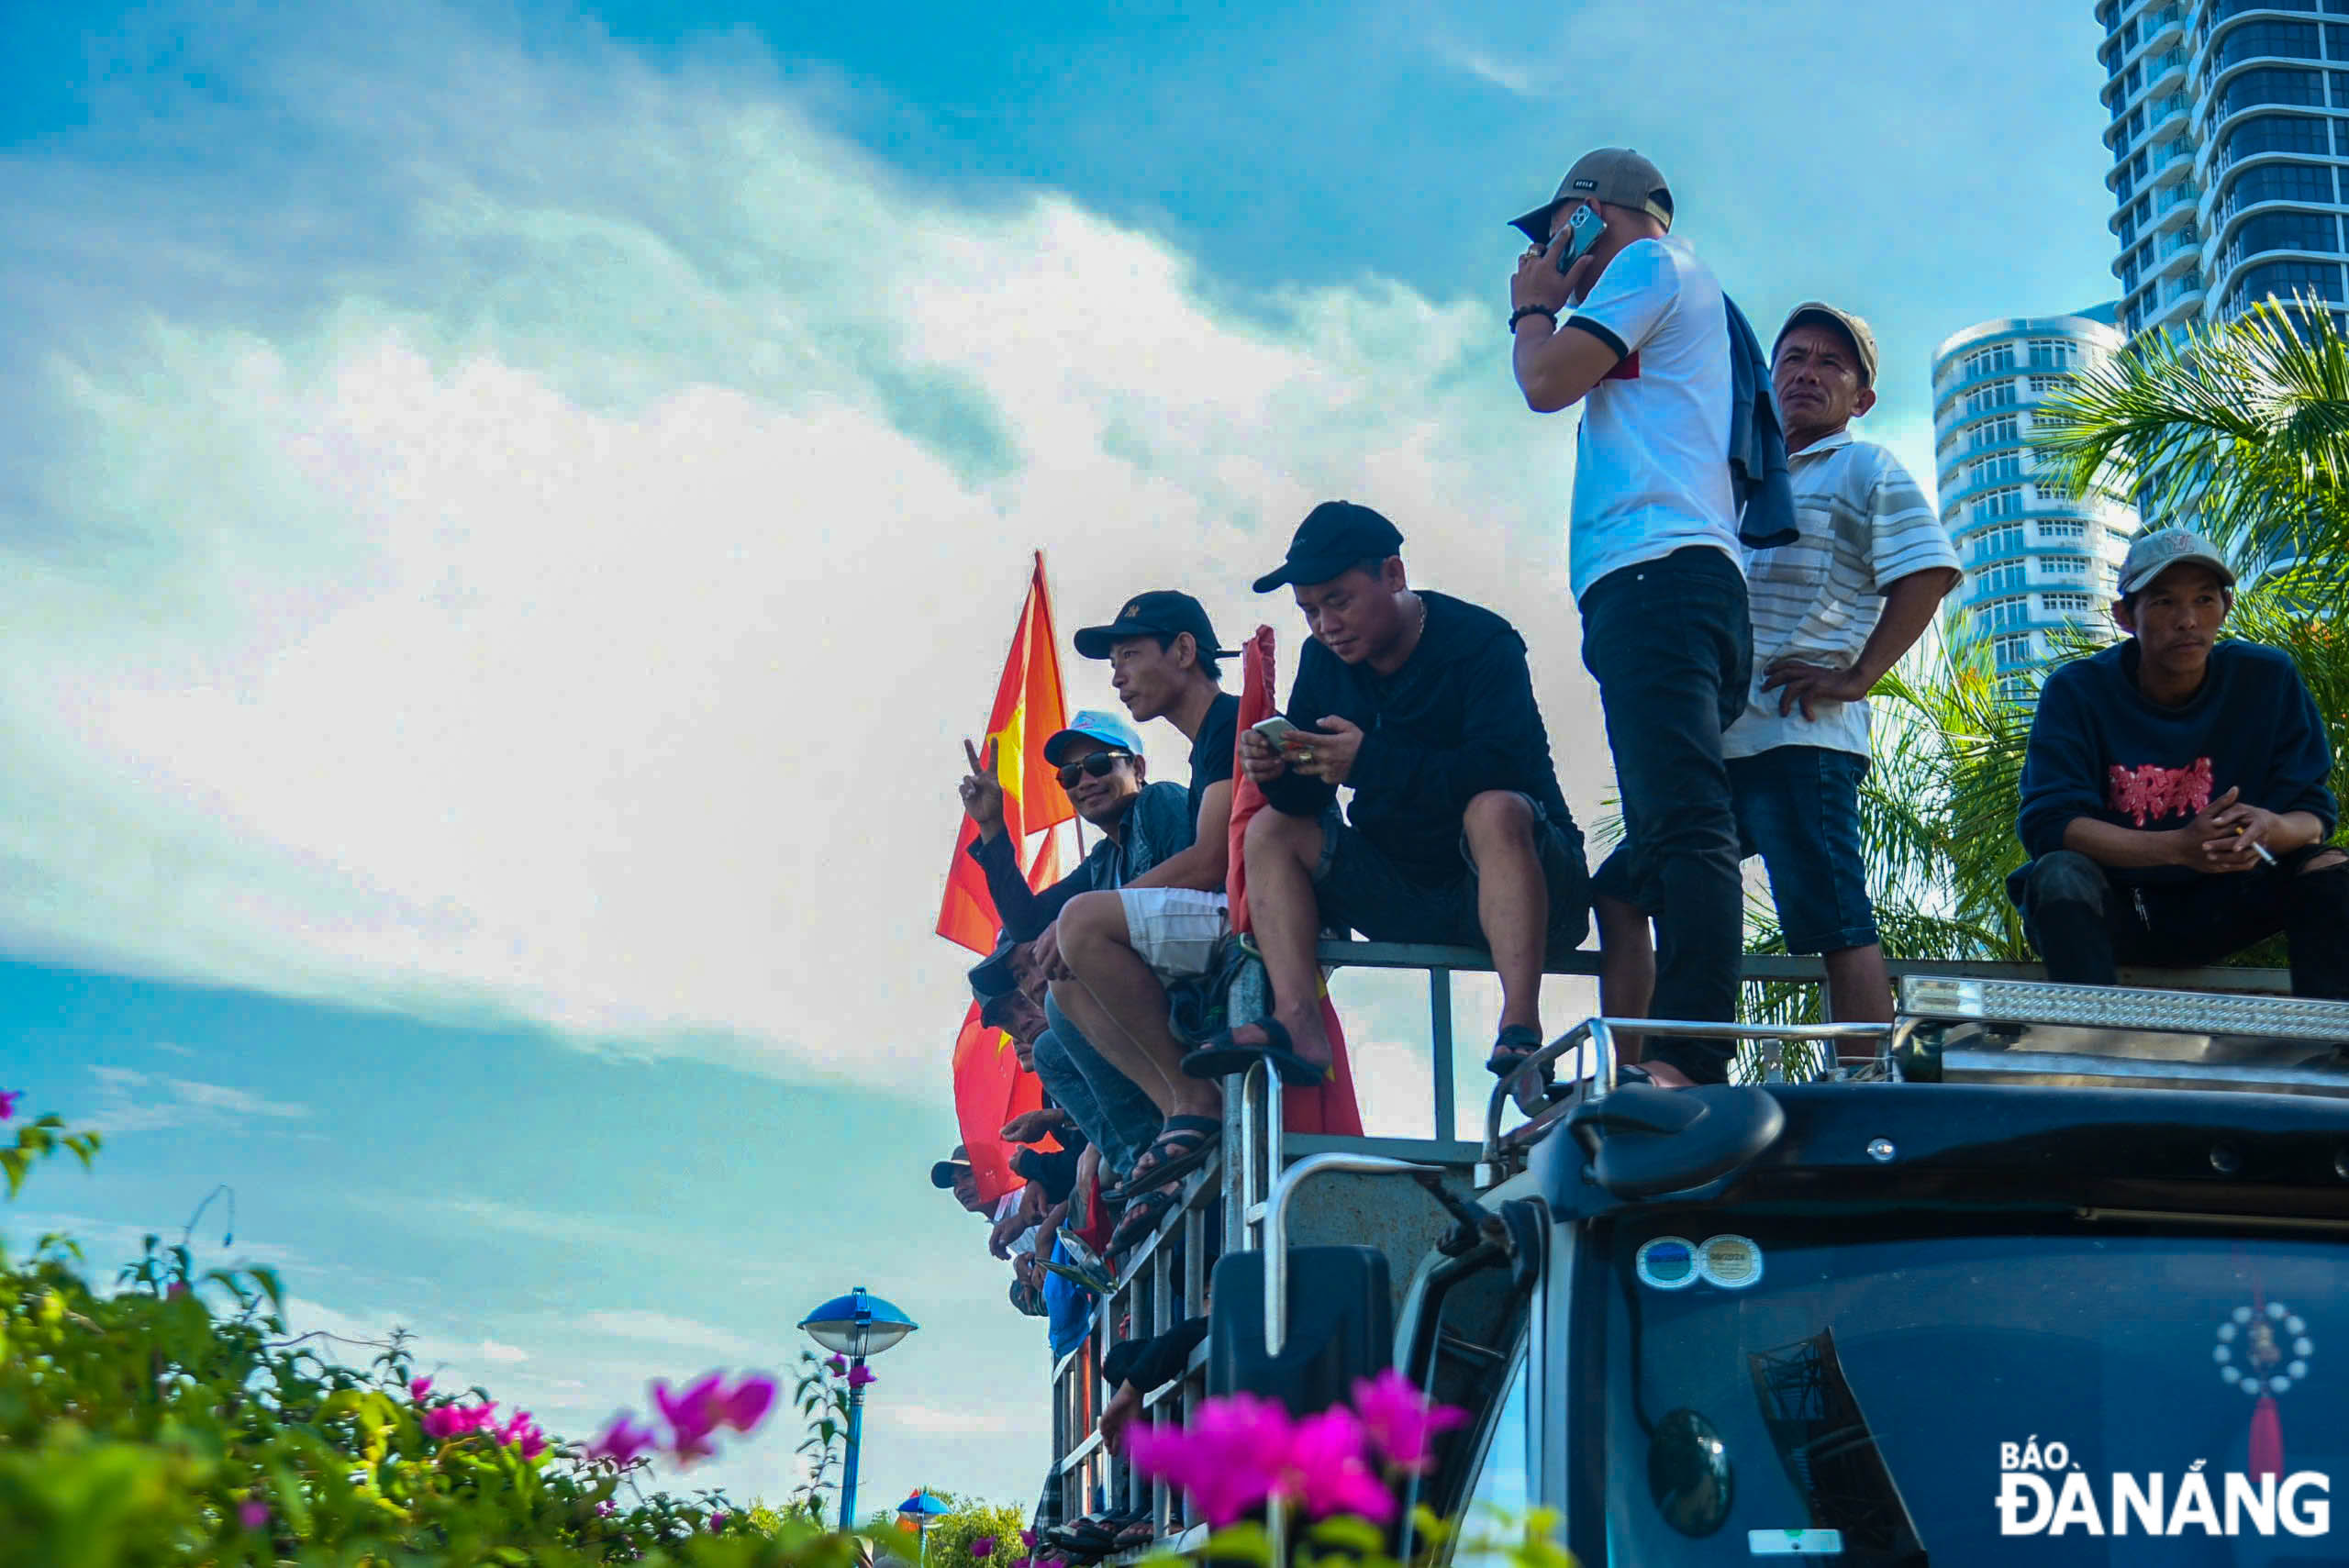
point(857, 1325)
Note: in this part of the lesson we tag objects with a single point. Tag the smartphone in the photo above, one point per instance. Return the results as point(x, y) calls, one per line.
point(1583, 230)
point(1284, 735)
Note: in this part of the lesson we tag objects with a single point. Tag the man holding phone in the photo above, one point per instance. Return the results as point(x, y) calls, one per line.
point(2173, 793)
point(1422, 705)
point(1635, 330)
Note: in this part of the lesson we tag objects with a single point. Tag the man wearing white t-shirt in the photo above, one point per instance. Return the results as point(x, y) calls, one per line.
point(1654, 553)
point(1832, 611)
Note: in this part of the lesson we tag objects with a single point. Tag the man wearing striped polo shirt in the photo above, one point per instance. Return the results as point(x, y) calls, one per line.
point(1831, 612)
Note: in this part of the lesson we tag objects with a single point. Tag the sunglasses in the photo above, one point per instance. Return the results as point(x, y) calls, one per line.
point(1096, 765)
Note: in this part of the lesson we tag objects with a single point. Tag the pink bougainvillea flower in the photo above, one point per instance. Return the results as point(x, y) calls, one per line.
point(860, 1375)
point(1324, 1468)
point(419, 1388)
point(1230, 1459)
point(443, 1422)
point(1400, 1423)
point(623, 1441)
point(178, 1288)
point(692, 1415)
point(8, 1099)
point(747, 1404)
point(983, 1546)
point(604, 1510)
point(252, 1514)
point(717, 1523)
point(837, 1363)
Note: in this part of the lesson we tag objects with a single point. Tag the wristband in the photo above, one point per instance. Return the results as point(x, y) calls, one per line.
point(1522, 311)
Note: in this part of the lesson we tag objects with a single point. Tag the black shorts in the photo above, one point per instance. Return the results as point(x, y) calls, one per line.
point(1358, 888)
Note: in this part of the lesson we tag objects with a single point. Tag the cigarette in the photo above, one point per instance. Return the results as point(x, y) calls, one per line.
point(2261, 850)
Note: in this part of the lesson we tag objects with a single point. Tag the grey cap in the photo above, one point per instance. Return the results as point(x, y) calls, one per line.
point(2151, 554)
point(1616, 175)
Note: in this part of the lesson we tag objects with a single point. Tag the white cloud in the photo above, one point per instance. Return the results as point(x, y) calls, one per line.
point(132, 1101)
point(562, 598)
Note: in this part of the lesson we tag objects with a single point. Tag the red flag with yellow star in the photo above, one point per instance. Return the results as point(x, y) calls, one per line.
point(990, 1086)
point(1029, 709)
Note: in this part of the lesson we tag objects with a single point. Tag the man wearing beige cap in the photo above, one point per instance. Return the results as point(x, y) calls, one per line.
point(1831, 612)
point(2175, 799)
point(1635, 330)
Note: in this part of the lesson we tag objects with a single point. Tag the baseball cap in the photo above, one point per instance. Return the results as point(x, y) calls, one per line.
point(992, 976)
point(1851, 326)
point(1616, 175)
point(1334, 536)
point(1094, 725)
point(943, 1174)
point(2151, 554)
point(1162, 612)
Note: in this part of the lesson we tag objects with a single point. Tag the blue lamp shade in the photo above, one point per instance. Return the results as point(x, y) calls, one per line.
point(857, 1323)
point(922, 1503)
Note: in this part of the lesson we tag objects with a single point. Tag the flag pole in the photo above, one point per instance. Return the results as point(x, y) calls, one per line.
point(1077, 823)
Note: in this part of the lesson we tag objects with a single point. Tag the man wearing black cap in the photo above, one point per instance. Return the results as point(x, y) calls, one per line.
point(1636, 332)
point(1111, 954)
point(1423, 705)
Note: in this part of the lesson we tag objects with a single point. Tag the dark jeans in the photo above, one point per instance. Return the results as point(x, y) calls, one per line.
point(1106, 1104)
point(2085, 925)
point(1672, 650)
point(1357, 886)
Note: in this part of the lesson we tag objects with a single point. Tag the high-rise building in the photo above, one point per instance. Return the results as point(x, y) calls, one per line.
point(2036, 560)
point(2227, 119)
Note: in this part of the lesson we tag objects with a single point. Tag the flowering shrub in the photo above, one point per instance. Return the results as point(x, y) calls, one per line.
point(173, 1420)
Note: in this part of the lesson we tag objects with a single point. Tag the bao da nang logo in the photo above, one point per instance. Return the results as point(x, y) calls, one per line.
point(2042, 1491)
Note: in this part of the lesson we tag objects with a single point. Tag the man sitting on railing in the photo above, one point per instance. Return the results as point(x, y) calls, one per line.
point(1423, 706)
point(2174, 794)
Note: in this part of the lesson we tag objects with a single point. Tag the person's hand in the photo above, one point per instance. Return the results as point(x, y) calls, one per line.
point(1537, 280)
point(2245, 825)
point(983, 792)
point(1047, 955)
point(2208, 844)
point(1796, 682)
point(1020, 1219)
point(1260, 758)
point(1117, 1415)
point(1032, 1127)
point(1329, 754)
point(1030, 1273)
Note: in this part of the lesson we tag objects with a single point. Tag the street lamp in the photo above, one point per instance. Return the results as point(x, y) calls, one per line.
point(857, 1325)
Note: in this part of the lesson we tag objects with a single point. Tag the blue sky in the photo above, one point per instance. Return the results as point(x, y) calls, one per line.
point(506, 512)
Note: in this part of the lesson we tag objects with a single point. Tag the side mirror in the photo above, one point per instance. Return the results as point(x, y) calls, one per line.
point(1341, 1327)
point(1643, 1141)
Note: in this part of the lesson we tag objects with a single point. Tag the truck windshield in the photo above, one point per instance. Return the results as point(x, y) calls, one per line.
point(2099, 1394)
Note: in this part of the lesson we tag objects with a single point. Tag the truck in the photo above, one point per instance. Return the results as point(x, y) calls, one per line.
point(2041, 1274)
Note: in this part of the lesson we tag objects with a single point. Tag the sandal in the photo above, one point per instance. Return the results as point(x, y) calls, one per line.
point(1511, 1048)
point(1221, 1056)
point(1141, 1218)
point(1189, 1142)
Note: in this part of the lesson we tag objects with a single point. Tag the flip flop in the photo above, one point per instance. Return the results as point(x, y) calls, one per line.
point(1510, 1049)
point(1092, 1283)
point(1142, 1217)
point(1195, 1136)
point(1221, 1056)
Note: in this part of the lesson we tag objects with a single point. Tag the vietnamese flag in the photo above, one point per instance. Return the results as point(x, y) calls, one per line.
point(990, 1086)
point(1331, 1106)
point(1028, 710)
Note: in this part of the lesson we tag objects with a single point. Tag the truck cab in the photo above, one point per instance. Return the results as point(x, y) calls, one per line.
point(2056, 1274)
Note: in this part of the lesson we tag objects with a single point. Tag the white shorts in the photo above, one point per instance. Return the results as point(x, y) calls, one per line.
point(1175, 930)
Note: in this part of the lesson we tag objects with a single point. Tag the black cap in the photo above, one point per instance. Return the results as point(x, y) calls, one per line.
point(943, 1174)
point(992, 976)
point(995, 1011)
point(1334, 536)
point(1162, 612)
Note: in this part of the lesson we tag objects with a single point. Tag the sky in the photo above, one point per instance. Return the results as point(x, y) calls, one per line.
point(506, 512)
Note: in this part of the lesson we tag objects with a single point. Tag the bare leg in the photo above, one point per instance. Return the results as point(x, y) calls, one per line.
point(1512, 901)
point(1116, 990)
point(1859, 991)
point(1626, 966)
point(1281, 854)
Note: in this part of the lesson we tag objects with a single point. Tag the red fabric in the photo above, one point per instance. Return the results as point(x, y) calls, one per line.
point(1330, 1107)
point(1626, 369)
point(1029, 709)
point(990, 1086)
point(2266, 1438)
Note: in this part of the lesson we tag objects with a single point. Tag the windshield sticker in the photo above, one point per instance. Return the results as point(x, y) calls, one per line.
point(1732, 1262)
point(1668, 1263)
point(2264, 1350)
point(1795, 1542)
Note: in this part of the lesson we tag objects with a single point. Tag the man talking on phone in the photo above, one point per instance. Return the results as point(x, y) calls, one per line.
point(1635, 330)
point(1424, 706)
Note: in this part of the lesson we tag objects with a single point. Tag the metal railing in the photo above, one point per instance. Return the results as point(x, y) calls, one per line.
point(1229, 1206)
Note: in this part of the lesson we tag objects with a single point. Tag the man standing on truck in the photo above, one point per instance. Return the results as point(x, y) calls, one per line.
point(2173, 796)
point(1636, 332)
point(1831, 612)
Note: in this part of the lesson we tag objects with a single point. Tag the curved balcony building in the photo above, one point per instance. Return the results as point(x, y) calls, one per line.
point(2229, 127)
point(2036, 561)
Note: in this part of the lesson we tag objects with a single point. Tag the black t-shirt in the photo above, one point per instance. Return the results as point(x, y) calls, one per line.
point(1212, 748)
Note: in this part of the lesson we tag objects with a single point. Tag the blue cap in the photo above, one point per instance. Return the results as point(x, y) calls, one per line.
point(1094, 725)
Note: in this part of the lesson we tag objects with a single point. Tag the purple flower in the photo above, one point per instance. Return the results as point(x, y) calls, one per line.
point(983, 1546)
point(836, 1363)
point(1400, 1423)
point(747, 1404)
point(252, 1514)
point(860, 1375)
point(692, 1415)
point(622, 1442)
point(8, 1099)
point(604, 1510)
point(1230, 1459)
point(1324, 1468)
point(419, 1388)
point(717, 1523)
